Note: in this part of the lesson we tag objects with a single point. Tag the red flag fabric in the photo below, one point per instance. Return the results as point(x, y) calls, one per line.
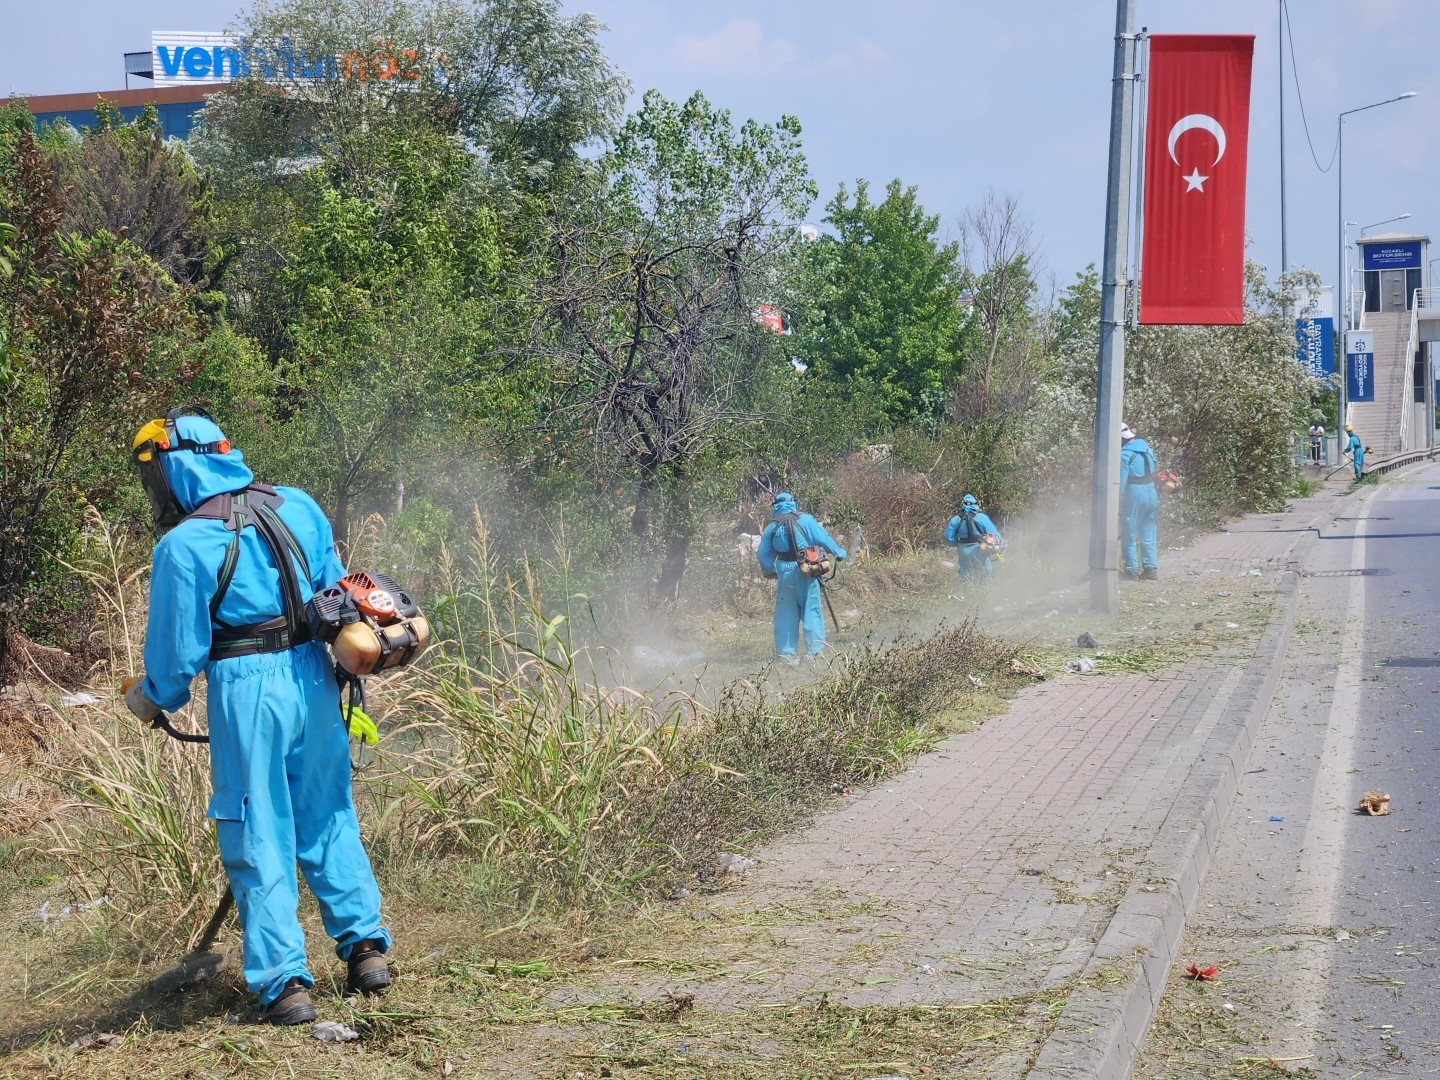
point(1197, 129)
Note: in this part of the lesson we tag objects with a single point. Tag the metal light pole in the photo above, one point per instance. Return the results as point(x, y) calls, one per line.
point(1284, 257)
point(1343, 313)
point(1110, 383)
point(1340, 237)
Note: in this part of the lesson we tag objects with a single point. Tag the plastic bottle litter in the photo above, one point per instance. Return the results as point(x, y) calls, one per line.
point(734, 864)
point(73, 701)
point(97, 1041)
point(45, 915)
point(1082, 664)
point(332, 1031)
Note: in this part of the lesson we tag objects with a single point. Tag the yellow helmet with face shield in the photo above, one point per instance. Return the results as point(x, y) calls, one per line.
point(160, 437)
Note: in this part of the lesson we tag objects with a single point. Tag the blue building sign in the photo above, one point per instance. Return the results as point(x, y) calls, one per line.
point(1315, 346)
point(1404, 255)
point(1360, 365)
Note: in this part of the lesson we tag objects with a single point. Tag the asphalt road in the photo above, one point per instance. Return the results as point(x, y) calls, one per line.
point(1388, 882)
point(1323, 920)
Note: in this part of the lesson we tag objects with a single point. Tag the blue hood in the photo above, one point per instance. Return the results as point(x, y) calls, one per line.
point(196, 477)
point(784, 504)
point(969, 503)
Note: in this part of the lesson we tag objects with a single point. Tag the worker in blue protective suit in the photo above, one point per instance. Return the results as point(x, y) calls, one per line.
point(1356, 449)
point(797, 595)
point(1139, 509)
point(967, 533)
point(221, 602)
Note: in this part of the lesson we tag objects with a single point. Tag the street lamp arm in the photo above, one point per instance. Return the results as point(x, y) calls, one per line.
point(1376, 105)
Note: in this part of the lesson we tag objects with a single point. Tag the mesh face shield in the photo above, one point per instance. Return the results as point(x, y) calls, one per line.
point(159, 437)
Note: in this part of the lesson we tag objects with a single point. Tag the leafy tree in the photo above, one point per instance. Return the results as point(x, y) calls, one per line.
point(1221, 404)
point(1226, 402)
point(522, 84)
point(126, 179)
point(648, 292)
point(886, 325)
point(529, 86)
point(390, 305)
point(95, 335)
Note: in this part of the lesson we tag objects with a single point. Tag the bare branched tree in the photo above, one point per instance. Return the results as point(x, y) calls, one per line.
point(648, 322)
point(997, 247)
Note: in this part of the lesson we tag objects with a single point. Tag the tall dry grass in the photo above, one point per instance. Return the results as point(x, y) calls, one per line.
point(509, 753)
point(131, 826)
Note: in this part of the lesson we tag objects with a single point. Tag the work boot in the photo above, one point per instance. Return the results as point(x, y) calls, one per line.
point(368, 972)
point(1150, 574)
point(293, 1006)
point(1129, 575)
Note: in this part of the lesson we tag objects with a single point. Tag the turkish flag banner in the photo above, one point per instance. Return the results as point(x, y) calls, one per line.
point(1197, 129)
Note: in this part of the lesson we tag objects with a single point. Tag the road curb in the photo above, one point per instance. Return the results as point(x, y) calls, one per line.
point(1102, 1028)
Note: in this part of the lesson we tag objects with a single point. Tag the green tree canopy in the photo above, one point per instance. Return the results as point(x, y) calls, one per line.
point(95, 336)
point(885, 323)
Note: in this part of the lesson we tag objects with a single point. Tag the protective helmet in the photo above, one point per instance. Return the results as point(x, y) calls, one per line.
point(969, 505)
point(784, 504)
point(159, 437)
point(1349, 427)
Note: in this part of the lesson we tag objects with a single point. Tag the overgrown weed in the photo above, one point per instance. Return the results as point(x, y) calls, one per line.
point(521, 784)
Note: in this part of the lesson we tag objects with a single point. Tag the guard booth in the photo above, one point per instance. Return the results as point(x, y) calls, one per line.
point(1393, 298)
point(1392, 267)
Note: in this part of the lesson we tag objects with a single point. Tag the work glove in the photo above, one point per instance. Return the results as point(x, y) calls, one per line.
point(361, 726)
point(135, 699)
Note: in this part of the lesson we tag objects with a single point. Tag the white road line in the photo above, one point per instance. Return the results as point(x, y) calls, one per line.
point(1330, 807)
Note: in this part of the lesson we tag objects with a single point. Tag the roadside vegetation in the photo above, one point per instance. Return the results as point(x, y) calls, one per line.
point(548, 361)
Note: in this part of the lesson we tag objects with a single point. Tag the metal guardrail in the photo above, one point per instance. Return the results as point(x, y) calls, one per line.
point(1399, 461)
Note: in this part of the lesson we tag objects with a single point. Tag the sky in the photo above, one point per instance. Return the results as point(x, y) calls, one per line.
point(957, 97)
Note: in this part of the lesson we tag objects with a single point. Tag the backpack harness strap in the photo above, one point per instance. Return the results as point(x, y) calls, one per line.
point(968, 521)
point(1149, 475)
point(793, 555)
point(256, 506)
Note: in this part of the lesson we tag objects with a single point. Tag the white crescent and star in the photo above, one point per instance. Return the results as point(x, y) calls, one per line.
point(1197, 122)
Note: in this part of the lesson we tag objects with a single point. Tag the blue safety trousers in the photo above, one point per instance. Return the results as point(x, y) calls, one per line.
point(797, 603)
point(279, 750)
point(1357, 452)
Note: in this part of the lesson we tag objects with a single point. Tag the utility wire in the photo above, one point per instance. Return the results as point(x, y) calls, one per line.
point(1295, 73)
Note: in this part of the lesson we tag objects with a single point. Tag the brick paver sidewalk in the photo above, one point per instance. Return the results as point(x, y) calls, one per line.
point(992, 866)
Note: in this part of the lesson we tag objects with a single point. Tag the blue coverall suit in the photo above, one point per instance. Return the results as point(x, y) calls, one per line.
point(1139, 507)
point(797, 597)
point(965, 531)
point(279, 751)
point(1356, 449)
